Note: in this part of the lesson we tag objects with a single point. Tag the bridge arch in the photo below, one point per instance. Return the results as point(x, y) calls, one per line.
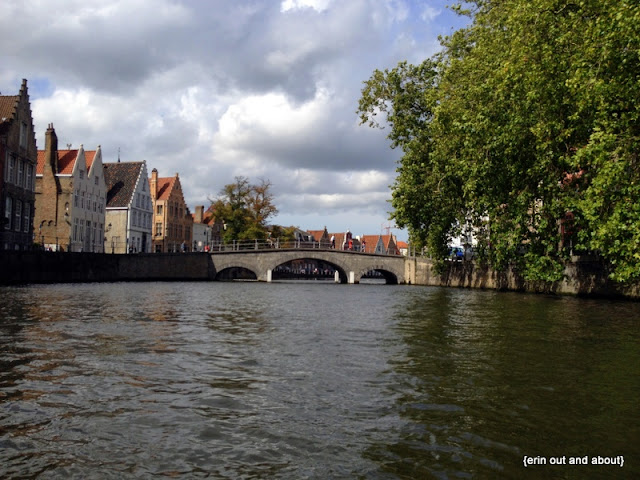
point(236, 273)
point(390, 277)
point(342, 273)
point(225, 268)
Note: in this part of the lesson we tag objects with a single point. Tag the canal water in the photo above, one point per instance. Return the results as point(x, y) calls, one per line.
point(315, 380)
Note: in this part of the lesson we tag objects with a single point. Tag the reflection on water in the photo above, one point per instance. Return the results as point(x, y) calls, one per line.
point(312, 380)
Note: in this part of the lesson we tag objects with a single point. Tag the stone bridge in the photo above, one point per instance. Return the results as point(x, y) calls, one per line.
point(349, 266)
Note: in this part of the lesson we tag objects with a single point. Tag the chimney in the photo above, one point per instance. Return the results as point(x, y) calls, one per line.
point(51, 149)
point(199, 214)
point(153, 183)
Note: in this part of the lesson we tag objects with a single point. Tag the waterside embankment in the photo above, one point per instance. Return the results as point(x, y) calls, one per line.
point(67, 267)
point(585, 277)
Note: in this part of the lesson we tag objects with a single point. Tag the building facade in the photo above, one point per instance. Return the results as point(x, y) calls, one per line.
point(129, 210)
point(201, 231)
point(70, 198)
point(18, 156)
point(172, 221)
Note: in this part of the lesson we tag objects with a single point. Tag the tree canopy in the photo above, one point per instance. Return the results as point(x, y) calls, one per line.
point(524, 126)
point(245, 208)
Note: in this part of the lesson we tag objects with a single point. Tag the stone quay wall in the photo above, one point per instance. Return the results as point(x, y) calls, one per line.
point(66, 267)
point(583, 277)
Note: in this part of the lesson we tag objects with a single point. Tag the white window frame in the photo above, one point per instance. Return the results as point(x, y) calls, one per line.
point(20, 176)
point(29, 178)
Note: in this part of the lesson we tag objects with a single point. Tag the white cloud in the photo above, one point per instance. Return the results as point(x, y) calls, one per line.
point(217, 89)
point(318, 5)
point(429, 14)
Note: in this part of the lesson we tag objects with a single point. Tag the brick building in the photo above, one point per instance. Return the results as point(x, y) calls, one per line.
point(18, 154)
point(70, 198)
point(172, 221)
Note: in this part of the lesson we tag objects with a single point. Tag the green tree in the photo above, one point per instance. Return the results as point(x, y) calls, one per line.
point(527, 114)
point(245, 209)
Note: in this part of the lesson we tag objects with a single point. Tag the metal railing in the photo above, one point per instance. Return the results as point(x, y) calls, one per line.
point(246, 245)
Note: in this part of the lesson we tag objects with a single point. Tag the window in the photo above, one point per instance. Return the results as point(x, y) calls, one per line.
point(82, 200)
point(8, 212)
point(28, 184)
point(75, 230)
point(81, 174)
point(26, 217)
point(23, 135)
point(18, 222)
point(158, 229)
point(135, 218)
point(138, 200)
point(159, 210)
point(97, 180)
point(75, 198)
point(20, 173)
point(11, 169)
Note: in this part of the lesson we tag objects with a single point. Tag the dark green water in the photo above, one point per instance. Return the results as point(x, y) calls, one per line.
point(314, 380)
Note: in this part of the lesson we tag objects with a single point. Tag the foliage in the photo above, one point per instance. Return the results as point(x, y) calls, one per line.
point(245, 208)
point(283, 234)
point(527, 114)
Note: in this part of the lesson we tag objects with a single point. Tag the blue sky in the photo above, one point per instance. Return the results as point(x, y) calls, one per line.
point(215, 89)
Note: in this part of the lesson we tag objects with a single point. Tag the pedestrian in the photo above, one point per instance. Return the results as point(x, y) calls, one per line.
point(333, 241)
point(364, 249)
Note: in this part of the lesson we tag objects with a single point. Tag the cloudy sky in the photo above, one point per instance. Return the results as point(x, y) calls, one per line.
point(212, 89)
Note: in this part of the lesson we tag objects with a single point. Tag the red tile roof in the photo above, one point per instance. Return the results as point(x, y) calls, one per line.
point(165, 185)
point(66, 161)
point(370, 242)
point(8, 105)
point(317, 234)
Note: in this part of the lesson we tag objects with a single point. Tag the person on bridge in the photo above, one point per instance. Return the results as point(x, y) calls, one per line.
point(333, 241)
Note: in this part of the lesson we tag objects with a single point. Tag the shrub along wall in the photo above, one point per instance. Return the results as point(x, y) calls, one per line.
point(582, 277)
